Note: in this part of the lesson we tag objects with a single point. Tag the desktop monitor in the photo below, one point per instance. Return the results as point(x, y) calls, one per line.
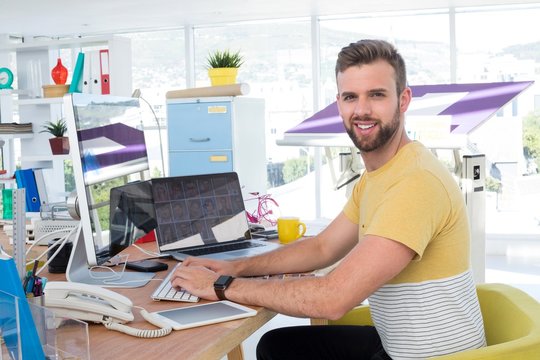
point(108, 150)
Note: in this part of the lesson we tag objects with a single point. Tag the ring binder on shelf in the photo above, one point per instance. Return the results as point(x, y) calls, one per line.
point(105, 73)
point(25, 179)
point(76, 79)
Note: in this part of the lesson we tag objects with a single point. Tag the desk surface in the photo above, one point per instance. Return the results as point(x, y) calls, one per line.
point(206, 342)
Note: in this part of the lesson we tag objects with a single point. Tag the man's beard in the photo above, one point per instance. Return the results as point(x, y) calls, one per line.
point(385, 133)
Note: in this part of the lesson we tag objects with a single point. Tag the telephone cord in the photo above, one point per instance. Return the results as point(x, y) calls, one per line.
point(165, 329)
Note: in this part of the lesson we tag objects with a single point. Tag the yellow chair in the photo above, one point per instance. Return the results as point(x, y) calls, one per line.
point(511, 321)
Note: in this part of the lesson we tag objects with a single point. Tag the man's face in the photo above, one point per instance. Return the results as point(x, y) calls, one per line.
point(371, 110)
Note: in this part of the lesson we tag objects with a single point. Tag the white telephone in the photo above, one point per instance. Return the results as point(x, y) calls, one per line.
point(96, 304)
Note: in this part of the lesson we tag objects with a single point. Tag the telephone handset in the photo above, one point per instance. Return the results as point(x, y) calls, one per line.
point(87, 302)
point(97, 304)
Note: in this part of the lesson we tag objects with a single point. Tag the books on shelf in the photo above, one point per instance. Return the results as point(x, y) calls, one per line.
point(76, 79)
point(26, 179)
point(95, 74)
point(15, 128)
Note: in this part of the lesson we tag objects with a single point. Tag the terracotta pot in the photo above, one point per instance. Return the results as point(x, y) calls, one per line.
point(59, 145)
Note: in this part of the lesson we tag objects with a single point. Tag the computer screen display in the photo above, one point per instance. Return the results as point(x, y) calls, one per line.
point(108, 150)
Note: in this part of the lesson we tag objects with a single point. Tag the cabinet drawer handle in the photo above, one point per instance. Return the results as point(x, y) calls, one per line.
point(199, 139)
point(219, 158)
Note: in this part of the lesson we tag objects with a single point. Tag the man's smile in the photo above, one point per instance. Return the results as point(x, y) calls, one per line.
point(365, 126)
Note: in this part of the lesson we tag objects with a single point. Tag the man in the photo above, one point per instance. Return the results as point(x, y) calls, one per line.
point(402, 240)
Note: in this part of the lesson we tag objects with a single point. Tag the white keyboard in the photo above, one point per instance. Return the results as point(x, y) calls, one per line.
point(166, 292)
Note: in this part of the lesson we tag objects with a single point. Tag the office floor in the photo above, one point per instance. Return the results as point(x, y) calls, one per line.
point(521, 272)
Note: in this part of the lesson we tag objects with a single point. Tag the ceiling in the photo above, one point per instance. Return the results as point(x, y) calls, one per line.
point(62, 18)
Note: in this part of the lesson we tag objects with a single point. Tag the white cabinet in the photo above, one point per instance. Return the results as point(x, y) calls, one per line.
point(31, 63)
point(218, 134)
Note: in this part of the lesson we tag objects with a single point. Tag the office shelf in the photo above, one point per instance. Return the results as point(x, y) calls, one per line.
point(16, 136)
point(39, 101)
point(34, 60)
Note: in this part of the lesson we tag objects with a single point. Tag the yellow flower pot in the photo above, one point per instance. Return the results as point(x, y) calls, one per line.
point(222, 76)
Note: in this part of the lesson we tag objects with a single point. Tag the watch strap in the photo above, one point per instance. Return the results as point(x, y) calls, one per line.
point(220, 294)
point(221, 284)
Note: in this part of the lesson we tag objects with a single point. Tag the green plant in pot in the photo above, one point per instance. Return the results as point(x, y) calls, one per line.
point(223, 67)
point(59, 143)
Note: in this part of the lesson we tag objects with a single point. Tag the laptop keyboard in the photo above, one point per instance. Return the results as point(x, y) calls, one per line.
point(166, 292)
point(221, 248)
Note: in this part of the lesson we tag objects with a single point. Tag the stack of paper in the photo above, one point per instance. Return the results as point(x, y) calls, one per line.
point(15, 128)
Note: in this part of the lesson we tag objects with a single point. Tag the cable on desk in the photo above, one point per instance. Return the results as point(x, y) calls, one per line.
point(164, 328)
point(63, 242)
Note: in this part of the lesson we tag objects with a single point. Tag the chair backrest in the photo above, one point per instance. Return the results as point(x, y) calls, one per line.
point(512, 325)
point(508, 313)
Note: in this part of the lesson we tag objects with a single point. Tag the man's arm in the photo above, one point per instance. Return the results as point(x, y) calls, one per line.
point(370, 264)
point(304, 255)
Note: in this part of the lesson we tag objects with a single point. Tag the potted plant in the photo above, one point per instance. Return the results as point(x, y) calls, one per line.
point(223, 67)
point(59, 143)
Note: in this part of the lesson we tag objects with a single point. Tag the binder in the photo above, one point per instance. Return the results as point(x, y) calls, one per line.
point(41, 187)
point(95, 72)
point(31, 347)
point(7, 201)
point(25, 179)
point(76, 79)
point(86, 81)
point(105, 73)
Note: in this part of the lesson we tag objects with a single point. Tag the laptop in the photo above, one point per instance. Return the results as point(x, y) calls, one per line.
point(203, 215)
point(131, 214)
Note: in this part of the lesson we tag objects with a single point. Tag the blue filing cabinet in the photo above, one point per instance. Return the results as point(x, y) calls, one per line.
point(218, 134)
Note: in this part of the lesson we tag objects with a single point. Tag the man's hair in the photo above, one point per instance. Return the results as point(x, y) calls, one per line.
point(368, 51)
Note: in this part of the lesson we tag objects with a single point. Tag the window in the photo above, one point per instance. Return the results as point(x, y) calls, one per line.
point(426, 53)
point(488, 52)
point(159, 65)
point(277, 67)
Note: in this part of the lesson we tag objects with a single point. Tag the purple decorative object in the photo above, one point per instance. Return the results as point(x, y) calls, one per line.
point(131, 140)
point(472, 105)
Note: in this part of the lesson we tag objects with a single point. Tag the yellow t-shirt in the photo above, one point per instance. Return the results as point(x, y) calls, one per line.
point(431, 307)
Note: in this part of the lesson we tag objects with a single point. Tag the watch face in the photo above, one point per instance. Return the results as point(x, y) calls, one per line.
point(6, 78)
point(222, 282)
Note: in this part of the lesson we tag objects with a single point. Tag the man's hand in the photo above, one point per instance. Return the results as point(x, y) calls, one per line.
point(219, 266)
point(197, 280)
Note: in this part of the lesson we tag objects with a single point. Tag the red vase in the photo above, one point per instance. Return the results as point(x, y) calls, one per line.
point(59, 73)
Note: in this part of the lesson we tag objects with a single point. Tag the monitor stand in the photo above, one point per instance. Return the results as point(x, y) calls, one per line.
point(77, 270)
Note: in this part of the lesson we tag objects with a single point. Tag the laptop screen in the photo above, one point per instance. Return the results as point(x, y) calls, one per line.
point(198, 210)
point(131, 214)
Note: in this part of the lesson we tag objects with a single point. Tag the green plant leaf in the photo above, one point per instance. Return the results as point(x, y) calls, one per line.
point(56, 128)
point(224, 59)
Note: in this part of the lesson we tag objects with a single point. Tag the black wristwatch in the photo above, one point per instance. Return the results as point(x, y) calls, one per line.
point(221, 284)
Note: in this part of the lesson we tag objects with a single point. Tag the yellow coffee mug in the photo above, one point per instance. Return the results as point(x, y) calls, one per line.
point(290, 228)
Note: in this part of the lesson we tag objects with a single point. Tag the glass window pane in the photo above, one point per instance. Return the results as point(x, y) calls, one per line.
point(159, 65)
point(277, 67)
point(502, 44)
point(426, 53)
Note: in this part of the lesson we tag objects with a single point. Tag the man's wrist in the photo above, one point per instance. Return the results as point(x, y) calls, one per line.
point(221, 284)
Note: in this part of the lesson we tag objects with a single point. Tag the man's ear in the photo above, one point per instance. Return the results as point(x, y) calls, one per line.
point(405, 99)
